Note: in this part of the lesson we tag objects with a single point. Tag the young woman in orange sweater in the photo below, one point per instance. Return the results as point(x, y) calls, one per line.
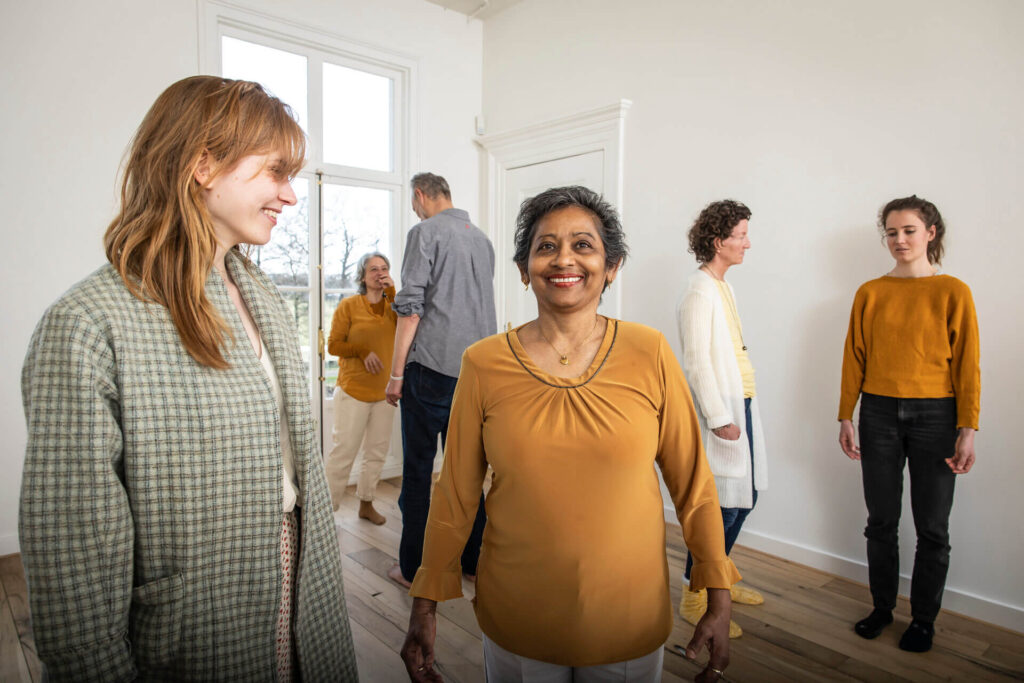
point(362, 337)
point(912, 357)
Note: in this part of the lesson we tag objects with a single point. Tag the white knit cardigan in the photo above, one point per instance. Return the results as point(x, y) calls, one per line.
point(711, 369)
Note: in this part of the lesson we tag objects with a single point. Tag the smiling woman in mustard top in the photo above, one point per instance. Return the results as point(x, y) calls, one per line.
point(572, 411)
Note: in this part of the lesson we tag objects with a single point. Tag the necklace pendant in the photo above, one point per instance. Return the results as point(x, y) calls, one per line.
point(564, 360)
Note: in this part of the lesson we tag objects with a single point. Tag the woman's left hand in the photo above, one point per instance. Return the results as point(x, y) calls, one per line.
point(712, 631)
point(963, 456)
point(372, 363)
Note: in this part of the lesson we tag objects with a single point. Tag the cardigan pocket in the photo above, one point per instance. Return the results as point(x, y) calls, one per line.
point(727, 458)
point(155, 623)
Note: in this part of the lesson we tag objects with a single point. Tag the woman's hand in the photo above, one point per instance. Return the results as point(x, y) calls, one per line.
point(372, 363)
point(418, 650)
point(729, 432)
point(848, 440)
point(712, 631)
point(963, 457)
point(385, 281)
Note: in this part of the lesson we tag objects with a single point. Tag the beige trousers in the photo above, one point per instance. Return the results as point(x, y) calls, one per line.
point(359, 427)
point(501, 666)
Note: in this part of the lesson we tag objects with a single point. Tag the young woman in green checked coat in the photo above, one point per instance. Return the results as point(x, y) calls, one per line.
point(175, 519)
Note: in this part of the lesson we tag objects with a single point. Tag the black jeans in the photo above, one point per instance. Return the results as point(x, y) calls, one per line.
point(426, 404)
point(922, 433)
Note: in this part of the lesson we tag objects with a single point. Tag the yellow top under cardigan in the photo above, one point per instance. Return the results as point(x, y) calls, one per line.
point(573, 569)
point(913, 338)
point(732, 317)
point(357, 328)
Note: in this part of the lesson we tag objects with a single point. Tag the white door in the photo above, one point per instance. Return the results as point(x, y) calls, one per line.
point(588, 170)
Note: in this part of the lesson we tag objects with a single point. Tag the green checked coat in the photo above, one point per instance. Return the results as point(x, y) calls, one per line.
point(151, 498)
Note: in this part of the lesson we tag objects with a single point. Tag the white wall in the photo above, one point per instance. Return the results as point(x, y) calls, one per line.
point(814, 114)
point(77, 80)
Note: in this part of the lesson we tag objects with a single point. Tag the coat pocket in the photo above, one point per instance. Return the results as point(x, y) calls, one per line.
point(155, 624)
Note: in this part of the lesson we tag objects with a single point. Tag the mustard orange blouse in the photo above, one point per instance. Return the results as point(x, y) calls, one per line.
point(357, 328)
point(573, 569)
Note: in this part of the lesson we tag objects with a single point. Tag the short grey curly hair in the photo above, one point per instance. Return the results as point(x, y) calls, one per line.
point(361, 268)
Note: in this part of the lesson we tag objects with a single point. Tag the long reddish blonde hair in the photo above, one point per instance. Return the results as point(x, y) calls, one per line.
point(162, 242)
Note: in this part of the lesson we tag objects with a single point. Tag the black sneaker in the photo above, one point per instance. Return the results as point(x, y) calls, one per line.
point(918, 636)
point(871, 626)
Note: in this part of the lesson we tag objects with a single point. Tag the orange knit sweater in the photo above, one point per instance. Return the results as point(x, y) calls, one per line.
point(913, 338)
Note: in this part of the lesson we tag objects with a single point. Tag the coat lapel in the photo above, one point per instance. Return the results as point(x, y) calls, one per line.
point(278, 331)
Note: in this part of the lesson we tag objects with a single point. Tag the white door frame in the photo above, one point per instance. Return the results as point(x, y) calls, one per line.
point(601, 129)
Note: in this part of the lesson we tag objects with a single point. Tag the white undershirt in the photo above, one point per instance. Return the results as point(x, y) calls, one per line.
point(291, 486)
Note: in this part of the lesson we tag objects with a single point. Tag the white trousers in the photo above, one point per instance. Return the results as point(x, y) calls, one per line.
point(501, 666)
point(358, 424)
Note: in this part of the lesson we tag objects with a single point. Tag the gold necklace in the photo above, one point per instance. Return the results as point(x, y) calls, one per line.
point(730, 301)
point(563, 358)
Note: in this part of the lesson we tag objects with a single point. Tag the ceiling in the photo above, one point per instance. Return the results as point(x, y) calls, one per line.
point(478, 9)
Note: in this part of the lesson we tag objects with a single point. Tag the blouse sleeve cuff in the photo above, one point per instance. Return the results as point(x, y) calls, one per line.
point(721, 574)
point(435, 584)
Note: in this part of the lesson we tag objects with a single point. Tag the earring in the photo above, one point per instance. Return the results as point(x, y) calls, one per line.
point(526, 286)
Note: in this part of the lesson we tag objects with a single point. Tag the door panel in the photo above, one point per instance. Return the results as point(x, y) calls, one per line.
point(528, 181)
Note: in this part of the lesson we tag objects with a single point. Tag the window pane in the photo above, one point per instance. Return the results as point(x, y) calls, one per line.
point(298, 306)
point(357, 220)
point(285, 258)
point(282, 73)
point(357, 118)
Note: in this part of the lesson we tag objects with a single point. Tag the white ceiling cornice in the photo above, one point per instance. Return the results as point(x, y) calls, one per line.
point(476, 9)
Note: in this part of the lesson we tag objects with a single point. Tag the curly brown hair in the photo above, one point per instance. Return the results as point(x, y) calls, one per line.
point(929, 215)
point(715, 221)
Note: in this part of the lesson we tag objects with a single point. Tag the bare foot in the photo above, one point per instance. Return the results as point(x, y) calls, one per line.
point(395, 574)
point(366, 511)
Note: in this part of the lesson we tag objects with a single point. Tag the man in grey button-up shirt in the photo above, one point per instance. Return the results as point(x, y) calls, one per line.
point(446, 304)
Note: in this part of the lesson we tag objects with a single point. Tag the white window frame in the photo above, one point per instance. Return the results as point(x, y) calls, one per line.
point(218, 19)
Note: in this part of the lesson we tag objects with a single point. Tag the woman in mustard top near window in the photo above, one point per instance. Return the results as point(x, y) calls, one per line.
point(572, 411)
point(363, 337)
point(912, 357)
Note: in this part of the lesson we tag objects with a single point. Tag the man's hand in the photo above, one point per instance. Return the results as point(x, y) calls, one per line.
point(393, 392)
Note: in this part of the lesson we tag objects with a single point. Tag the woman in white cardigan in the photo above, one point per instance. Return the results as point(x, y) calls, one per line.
point(720, 375)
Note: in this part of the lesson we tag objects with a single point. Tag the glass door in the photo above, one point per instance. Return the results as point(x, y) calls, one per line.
point(356, 221)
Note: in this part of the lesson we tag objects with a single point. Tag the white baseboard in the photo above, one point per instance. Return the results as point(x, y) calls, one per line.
point(9, 545)
point(954, 599)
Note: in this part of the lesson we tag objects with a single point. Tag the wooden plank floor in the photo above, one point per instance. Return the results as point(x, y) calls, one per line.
point(803, 632)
